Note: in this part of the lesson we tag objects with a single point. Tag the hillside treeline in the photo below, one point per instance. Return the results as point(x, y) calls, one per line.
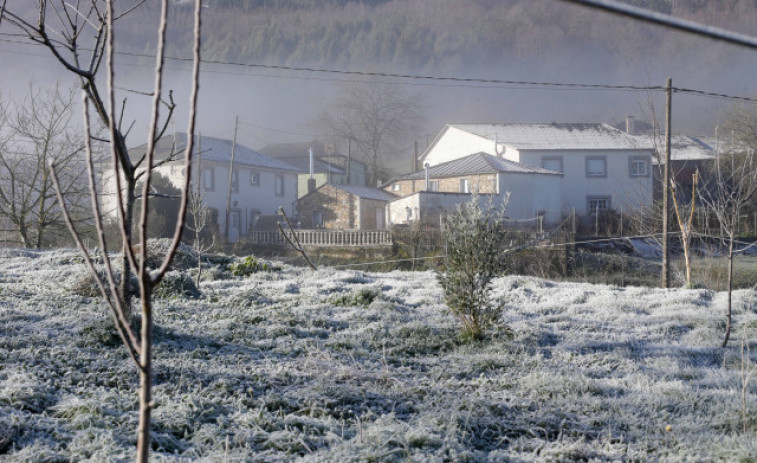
point(443, 35)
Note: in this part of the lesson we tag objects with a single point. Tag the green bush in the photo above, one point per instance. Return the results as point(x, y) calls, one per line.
point(175, 285)
point(361, 298)
point(475, 246)
point(250, 265)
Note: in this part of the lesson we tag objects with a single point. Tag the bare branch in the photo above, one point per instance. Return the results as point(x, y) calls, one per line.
point(90, 264)
point(189, 147)
point(122, 324)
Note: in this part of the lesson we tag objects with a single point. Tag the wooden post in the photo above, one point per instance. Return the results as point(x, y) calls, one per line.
point(231, 173)
point(574, 220)
point(666, 188)
point(621, 221)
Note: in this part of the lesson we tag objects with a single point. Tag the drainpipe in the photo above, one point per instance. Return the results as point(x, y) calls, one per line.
point(428, 178)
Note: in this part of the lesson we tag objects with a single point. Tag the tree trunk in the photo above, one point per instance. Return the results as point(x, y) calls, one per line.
point(145, 376)
point(728, 317)
point(125, 265)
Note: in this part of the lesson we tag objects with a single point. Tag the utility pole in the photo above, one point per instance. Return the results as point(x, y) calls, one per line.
point(231, 178)
point(349, 161)
point(666, 187)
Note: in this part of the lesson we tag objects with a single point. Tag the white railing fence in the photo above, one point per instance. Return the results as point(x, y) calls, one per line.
point(335, 238)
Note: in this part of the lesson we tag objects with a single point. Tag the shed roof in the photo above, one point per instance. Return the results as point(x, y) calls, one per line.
point(214, 149)
point(556, 136)
point(478, 163)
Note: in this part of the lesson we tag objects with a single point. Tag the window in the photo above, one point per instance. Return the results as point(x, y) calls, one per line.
point(596, 166)
point(213, 216)
point(433, 185)
point(255, 178)
point(464, 185)
point(234, 180)
point(207, 179)
point(279, 185)
point(396, 187)
point(638, 166)
point(553, 163)
point(598, 204)
point(318, 219)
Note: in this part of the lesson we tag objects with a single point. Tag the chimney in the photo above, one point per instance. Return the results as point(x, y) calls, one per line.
point(311, 162)
point(428, 177)
point(630, 127)
point(311, 180)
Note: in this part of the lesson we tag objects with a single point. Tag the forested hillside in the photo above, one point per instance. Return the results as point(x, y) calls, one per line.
point(446, 35)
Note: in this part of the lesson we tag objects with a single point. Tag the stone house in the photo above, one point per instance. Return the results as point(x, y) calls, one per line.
point(435, 191)
point(344, 207)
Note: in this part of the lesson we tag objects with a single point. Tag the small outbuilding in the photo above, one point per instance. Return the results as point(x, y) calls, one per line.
point(344, 207)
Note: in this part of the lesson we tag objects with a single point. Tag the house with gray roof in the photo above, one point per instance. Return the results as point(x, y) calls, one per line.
point(328, 166)
point(602, 167)
point(428, 195)
point(344, 207)
point(260, 184)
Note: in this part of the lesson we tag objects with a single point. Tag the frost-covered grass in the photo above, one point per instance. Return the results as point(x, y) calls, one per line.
point(341, 366)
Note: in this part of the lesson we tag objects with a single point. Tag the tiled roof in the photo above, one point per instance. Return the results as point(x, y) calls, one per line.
point(554, 136)
point(366, 192)
point(478, 163)
point(215, 149)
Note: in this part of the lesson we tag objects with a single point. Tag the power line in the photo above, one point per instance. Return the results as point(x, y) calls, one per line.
point(452, 81)
point(669, 21)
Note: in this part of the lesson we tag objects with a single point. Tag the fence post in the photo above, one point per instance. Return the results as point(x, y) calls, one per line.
point(621, 220)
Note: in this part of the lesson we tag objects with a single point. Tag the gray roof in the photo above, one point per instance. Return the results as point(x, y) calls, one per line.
point(478, 163)
point(319, 166)
point(214, 149)
point(556, 136)
point(366, 192)
point(685, 148)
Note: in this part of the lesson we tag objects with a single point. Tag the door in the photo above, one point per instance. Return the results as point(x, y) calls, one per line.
point(380, 219)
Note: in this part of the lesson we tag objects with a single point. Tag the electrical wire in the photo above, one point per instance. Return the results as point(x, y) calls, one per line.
point(669, 21)
point(433, 80)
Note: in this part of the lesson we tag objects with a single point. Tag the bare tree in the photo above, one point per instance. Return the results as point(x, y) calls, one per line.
point(76, 34)
point(139, 347)
point(376, 117)
point(41, 132)
point(685, 222)
point(199, 216)
point(735, 185)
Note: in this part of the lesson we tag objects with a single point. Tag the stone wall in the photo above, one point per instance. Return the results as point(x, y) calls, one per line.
point(337, 206)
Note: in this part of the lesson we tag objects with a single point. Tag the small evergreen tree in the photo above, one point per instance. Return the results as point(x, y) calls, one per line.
point(475, 245)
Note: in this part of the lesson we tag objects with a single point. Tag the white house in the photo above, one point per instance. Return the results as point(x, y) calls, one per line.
point(431, 193)
point(259, 183)
point(602, 167)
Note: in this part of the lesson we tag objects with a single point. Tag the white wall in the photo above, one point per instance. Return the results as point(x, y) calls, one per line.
point(531, 193)
point(455, 144)
point(626, 191)
point(248, 199)
point(424, 205)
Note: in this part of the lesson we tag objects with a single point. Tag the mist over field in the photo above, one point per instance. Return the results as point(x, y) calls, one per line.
point(515, 40)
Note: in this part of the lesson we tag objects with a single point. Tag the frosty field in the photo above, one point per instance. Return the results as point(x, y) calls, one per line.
point(348, 366)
